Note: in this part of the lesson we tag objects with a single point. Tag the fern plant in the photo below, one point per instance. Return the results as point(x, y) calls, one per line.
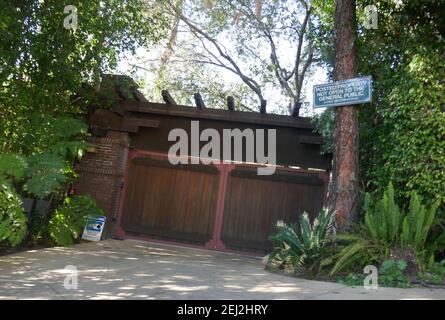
point(42, 170)
point(305, 247)
point(12, 166)
point(13, 222)
point(373, 238)
point(356, 250)
point(385, 227)
point(45, 175)
point(68, 221)
point(416, 227)
point(382, 221)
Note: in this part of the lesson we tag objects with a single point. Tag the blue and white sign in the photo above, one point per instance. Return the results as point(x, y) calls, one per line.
point(343, 93)
point(93, 229)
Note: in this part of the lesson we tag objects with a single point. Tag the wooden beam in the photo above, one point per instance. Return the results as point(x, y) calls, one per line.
point(218, 114)
point(263, 106)
point(230, 103)
point(305, 139)
point(168, 99)
point(138, 95)
point(133, 124)
point(198, 100)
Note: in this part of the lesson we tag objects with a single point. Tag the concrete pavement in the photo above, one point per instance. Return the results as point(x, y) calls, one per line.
point(129, 269)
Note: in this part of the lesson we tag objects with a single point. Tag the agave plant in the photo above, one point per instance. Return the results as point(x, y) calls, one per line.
point(303, 247)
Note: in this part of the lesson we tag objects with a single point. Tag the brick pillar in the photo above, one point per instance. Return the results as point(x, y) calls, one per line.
point(101, 173)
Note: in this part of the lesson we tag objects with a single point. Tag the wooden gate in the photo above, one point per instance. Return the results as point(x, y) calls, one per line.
point(170, 201)
point(254, 203)
point(223, 207)
point(217, 206)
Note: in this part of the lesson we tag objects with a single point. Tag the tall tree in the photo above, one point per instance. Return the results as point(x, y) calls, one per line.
point(344, 191)
point(263, 43)
point(43, 64)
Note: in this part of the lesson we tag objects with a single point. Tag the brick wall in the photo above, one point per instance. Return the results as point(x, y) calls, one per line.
point(101, 173)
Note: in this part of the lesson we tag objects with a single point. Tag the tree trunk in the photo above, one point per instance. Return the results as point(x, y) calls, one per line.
point(344, 193)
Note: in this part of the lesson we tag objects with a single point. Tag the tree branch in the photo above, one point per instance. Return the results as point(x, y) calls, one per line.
point(233, 66)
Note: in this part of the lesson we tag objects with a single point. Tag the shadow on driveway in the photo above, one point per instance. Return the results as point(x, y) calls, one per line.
point(131, 269)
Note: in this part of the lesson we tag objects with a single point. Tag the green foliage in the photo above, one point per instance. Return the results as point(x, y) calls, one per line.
point(324, 125)
point(12, 166)
point(382, 221)
point(435, 273)
point(386, 227)
point(46, 175)
point(62, 136)
point(356, 251)
point(306, 248)
point(251, 35)
point(68, 221)
point(44, 67)
point(402, 133)
point(53, 147)
point(391, 274)
point(417, 225)
point(40, 174)
point(352, 279)
point(374, 237)
point(44, 70)
point(13, 222)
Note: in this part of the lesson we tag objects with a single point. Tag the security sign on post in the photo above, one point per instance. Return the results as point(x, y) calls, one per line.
point(343, 93)
point(93, 229)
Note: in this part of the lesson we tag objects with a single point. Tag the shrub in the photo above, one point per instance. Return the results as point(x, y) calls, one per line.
point(416, 227)
point(391, 274)
point(46, 174)
point(293, 249)
point(352, 279)
point(435, 273)
point(385, 229)
point(13, 222)
point(12, 165)
point(402, 135)
point(382, 220)
point(68, 221)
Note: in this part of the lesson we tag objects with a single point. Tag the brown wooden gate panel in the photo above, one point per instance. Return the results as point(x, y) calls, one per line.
point(253, 204)
point(170, 202)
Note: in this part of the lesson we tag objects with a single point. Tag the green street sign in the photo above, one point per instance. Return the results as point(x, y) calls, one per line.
point(343, 93)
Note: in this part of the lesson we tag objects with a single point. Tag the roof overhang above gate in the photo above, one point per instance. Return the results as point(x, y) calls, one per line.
point(149, 123)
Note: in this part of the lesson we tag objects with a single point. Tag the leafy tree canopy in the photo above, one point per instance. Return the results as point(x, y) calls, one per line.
point(43, 65)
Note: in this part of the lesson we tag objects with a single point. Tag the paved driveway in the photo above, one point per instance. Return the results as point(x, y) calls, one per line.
point(129, 269)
